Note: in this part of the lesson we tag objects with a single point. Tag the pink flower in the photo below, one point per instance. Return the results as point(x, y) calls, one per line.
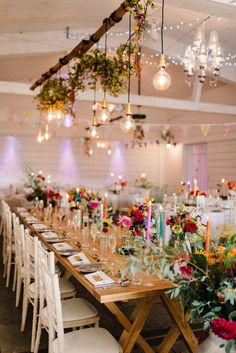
point(93, 203)
point(125, 221)
point(224, 329)
point(186, 272)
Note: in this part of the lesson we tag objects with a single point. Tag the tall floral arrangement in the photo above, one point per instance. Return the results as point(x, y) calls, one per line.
point(35, 186)
point(205, 285)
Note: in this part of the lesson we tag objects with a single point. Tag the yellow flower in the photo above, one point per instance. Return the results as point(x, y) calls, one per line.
point(200, 252)
point(231, 253)
point(220, 249)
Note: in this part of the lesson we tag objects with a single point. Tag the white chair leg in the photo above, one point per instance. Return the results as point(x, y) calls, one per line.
point(14, 279)
point(8, 271)
point(24, 313)
point(34, 324)
point(38, 336)
point(18, 290)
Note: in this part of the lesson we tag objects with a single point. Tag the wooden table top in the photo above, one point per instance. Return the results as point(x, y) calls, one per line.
point(109, 294)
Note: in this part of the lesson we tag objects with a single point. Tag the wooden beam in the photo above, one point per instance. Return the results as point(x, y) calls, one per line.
point(145, 101)
point(84, 45)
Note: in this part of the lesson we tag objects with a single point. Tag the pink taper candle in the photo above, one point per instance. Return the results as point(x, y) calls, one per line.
point(149, 216)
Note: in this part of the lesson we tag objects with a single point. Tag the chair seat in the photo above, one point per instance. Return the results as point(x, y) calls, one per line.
point(65, 288)
point(89, 340)
point(74, 309)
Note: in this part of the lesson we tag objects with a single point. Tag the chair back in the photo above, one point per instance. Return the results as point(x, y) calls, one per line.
point(31, 265)
point(53, 301)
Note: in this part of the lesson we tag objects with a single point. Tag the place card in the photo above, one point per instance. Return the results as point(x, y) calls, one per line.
point(78, 259)
point(62, 247)
point(99, 279)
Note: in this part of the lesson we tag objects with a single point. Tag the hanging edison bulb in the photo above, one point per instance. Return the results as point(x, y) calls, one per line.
point(93, 130)
point(46, 133)
point(162, 79)
point(104, 115)
point(40, 136)
point(128, 124)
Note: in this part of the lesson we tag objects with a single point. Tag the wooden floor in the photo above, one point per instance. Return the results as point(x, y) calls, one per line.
point(14, 341)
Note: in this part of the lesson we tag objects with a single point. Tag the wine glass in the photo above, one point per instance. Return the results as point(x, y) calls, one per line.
point(93, 233)
point(112, 243)
point(41, 206)
point(147, 264)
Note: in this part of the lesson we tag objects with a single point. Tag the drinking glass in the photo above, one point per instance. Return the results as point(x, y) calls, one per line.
point(147, 264)
point(112, 243)
point(85, 238)
point(93, 233)
point(104, 249)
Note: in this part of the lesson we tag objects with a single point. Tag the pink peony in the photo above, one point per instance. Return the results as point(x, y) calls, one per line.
point(125, 221)
point(224, 329)
point(93, 204)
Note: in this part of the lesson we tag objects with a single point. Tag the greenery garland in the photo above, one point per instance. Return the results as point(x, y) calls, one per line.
point(56, 94)
point(95, 67)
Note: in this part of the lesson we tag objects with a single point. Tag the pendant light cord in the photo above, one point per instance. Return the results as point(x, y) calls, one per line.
point(129, 68)
point(105, 89)
point(162, 26)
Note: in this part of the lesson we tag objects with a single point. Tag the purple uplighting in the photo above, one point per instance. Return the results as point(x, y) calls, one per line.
point(68, 173)
point(68, 121)
point(10, 171)
point(118, 165)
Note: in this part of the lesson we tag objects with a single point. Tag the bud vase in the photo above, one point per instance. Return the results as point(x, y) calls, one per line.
point(212, 345)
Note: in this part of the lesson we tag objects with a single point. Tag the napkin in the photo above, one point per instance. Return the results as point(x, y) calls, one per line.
point(62, 247)
point(50, 235)
point(78, 259)
point(99, 279)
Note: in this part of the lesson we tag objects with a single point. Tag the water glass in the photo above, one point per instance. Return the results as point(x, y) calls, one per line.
point(104, 249)
point(85, 238)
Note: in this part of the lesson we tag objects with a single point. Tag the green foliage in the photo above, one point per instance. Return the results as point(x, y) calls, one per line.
point(55, 94)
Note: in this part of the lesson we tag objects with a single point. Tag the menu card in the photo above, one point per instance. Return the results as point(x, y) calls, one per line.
point(78, 259)
point(99, 279)
point(62, 247)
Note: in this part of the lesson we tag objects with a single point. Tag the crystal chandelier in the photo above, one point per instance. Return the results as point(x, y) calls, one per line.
point(201, 57)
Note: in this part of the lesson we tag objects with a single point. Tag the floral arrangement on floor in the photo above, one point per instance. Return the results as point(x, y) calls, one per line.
point(184, 226)
point(205, 285)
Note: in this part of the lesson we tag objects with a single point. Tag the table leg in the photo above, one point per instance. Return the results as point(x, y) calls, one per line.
point(131, 333)
point(181, 327)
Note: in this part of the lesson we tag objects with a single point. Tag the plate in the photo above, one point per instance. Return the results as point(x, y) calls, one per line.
point(55, 240)
point(67, 253)
point(89, 268)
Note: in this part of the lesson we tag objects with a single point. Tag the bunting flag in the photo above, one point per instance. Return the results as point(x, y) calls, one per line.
point(226, 129)
point(26, 115)
point(205, 129)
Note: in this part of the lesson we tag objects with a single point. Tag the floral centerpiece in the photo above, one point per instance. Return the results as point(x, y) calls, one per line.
point(36, 187)
point(186, 226)
point(139, 215)
point(143, 183)
point(205, 285)
point(118, 186)
point(82, 197)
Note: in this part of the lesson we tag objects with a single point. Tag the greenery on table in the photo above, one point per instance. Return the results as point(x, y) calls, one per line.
point(205, 286)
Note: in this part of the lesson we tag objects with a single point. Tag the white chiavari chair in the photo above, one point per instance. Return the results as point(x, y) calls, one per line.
point(76, 312)
point(20, 256)
point(87, 340)
point(9, 246)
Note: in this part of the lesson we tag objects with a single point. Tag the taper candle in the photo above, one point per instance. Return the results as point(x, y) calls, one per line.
point(149, 216)
point(105, 205)
point(207, 239)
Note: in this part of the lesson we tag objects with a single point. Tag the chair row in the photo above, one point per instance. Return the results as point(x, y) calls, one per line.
point(54, 301)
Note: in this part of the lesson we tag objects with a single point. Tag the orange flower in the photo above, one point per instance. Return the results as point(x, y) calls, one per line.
point(231, 253)
point(211, 259)
point(220, 249)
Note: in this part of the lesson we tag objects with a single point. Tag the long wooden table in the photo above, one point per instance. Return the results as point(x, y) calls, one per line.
point(145, 298)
